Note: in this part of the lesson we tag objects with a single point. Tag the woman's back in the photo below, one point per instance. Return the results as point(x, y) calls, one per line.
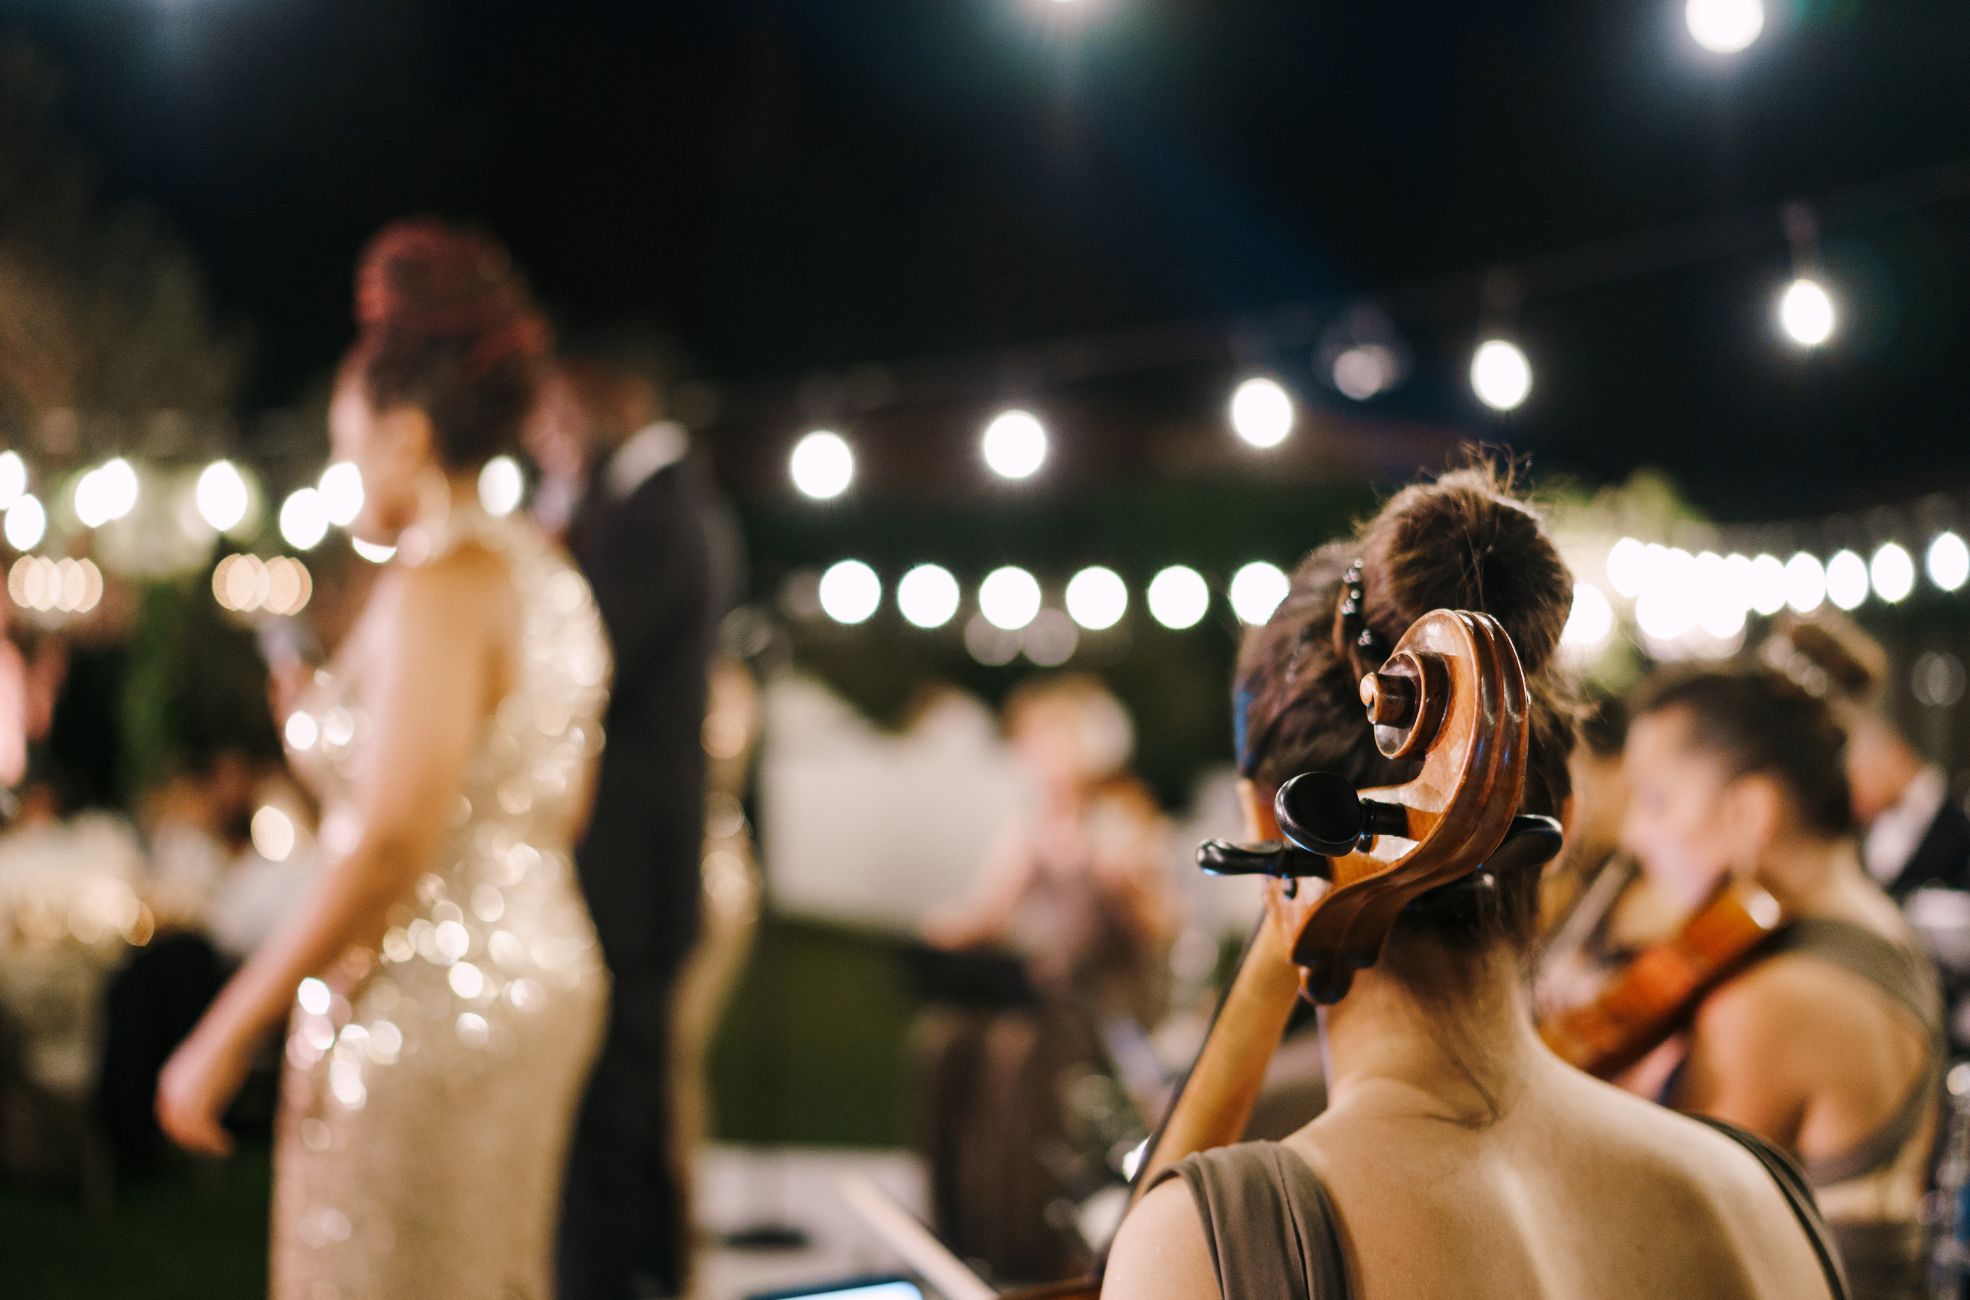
point(1577, 1191)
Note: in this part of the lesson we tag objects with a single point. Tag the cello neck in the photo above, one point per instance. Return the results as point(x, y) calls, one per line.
point(1216, 1097)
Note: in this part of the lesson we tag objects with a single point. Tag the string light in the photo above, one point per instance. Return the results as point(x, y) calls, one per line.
point(1178, 598)
point(1590, 625)
point(1501, 374)
point(501, 486)
point(822, 465)
point(106, 493)
point(27, 523)
point(1806, 312)
point(1725, 26)
point(850, 592)
point(1768, 584)
point(928, 596)
point(1805, 583)
point(304, 519)
point(1892, 572)
point(222, 496)
point(1051, 639)
point(1009, 598)
point(246, 584)
point(273, 834)
point(1097, 598)
point(1366, 370)
point(1948, 562)
point(1015, 444)
point(1262, 412)
point(1256, 591)
point(1846, 580)
point(374, 552)
point(13, 478)
point(342, 493)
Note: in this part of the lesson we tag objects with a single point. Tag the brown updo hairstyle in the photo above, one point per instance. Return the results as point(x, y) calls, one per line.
point(1465, 541)
point(447, 325)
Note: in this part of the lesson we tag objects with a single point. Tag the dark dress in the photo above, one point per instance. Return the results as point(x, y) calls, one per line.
point(1272, 1230)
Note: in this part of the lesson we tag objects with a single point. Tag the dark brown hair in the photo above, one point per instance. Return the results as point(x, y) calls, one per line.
point(1465, 541)
point(1760, 721)
point(447, 325)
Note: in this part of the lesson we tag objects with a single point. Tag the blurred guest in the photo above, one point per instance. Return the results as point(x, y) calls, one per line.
point(1829, 1041)
point(441, 978)
point(640, 519)
point(1073, 886)
point(1916, 835)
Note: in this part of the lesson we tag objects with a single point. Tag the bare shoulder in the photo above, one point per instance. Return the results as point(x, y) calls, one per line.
point(1780, 1003)
point(470, 582)
point(1160, 1253)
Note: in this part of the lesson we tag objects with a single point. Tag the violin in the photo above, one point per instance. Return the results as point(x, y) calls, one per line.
point(1452, 699)
point(1656, 994)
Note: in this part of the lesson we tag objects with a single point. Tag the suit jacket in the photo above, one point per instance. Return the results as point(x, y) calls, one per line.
point(649, 555)
point(1941, 857)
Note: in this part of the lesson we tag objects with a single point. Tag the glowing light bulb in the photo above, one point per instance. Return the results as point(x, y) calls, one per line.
point(1725, 26)
point(1806, 313)
point(1097, 598)
point(1846, 580)
point(501, 486)
point(1805, 583)
point(222, 496)
point(928, 596)
point(1590, 625)
point(13, 478)
point(1178, 598)
point(342, 493)
point(304, 519)
point(1948, 562)
point(1015, 445)
point(850, 592)
point(27, 523)
point(1501, 374)
point(1262, 412)
point(1892, 571)
point(822, 465)
point(1256, 591)
point(1009, 598)
point(1767, 582)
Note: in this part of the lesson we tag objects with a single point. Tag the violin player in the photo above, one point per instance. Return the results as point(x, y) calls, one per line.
point(1827, 1039)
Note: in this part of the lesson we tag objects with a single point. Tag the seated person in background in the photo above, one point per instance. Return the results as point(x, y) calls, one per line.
point(1828, 1042)
point(1075, 886)
point(1457, 1156)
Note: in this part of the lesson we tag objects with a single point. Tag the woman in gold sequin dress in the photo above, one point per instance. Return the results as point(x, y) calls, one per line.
point(442, 988)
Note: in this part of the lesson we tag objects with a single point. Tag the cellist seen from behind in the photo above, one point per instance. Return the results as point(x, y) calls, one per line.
point(1457, 1156)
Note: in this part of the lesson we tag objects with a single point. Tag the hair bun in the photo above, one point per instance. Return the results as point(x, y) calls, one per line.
point(1465, 542)
point(423, 279)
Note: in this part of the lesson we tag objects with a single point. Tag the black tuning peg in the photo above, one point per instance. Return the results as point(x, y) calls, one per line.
point(1272, 858)
point(1321, 813)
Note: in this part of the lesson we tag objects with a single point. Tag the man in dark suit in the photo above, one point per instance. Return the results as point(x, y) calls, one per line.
point(640, 518)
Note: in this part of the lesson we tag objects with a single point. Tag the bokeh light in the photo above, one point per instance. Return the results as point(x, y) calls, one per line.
point(304, 519)
point(27, 523)
point(1015, 444)
point(1948, 562)
point(1846, 580)
point(1892, 571)
point(1805, 583)
point(822, 465)
point(1179, 598)
point(223, 497)
point(501, 486)
point(1590, 625)
point(1725, 26)
point(1009, 598)
point(13, 478)
point(928, 596)
point(1805, 312)
point(850, 592)
point(342, 493)
point(1097, 598)
point(1262, 412)
point(1256, 590)
point(1501, 374)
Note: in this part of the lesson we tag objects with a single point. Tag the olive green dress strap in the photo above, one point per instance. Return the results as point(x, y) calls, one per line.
point(1268, 1223)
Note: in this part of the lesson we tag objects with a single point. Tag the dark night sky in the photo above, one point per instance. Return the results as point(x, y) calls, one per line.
point(784, 186)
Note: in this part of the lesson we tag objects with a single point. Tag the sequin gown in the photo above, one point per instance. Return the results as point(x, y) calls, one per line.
point(432, 1082)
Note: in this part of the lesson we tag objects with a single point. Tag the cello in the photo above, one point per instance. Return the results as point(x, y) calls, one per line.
point(1450, 699)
